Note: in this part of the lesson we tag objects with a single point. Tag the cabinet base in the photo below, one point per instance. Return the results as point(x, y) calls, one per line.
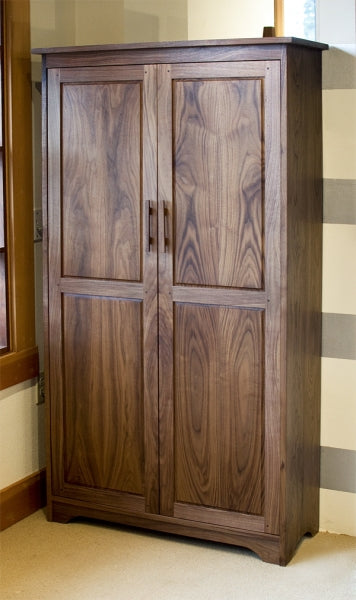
point(268, 547)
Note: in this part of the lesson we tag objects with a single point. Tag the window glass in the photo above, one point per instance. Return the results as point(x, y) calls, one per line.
point(299, 18)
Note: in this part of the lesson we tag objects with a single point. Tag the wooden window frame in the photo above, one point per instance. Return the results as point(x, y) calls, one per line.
point(20, 362)
point(279, 17)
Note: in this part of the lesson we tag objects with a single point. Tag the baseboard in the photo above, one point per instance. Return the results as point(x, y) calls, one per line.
point(22, 498)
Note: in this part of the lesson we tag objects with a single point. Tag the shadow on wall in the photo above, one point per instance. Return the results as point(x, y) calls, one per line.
point(145, 27)
point(339, 67)
point(140, 27)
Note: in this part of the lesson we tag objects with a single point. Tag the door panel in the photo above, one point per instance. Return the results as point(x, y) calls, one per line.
point(101, 153)
point(103, 429)
point(218, 171)
point(218, 407)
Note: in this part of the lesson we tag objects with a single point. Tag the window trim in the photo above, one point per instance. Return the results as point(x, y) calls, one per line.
point(279, 17)
point(21, 362)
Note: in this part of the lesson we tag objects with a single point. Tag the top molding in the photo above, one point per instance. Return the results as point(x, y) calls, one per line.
point(184, 44)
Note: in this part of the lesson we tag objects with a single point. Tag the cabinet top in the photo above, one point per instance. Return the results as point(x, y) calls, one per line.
point(183, 44)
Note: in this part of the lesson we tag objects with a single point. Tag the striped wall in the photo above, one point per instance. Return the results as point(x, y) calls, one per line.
point(337, 27)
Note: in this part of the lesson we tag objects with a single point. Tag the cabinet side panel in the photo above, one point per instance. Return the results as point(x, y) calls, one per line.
point(218, 182)
point(304, 251)
point(103, 408)
point(219, 407)
point(101, 156)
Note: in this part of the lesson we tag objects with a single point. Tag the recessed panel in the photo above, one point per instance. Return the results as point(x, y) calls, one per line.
point(103, 397)
point(219, 407)
point(101, 180)
point(218, 182)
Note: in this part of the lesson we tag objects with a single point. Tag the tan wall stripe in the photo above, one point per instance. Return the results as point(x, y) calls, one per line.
point(340, 201)
point(339, 336)
point(338, 469)
point(339, 67)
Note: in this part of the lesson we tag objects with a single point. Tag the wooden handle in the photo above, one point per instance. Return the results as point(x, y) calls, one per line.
point(165, 240)
point(148, 225)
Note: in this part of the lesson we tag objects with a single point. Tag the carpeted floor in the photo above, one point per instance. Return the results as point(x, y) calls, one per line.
point(91, 561)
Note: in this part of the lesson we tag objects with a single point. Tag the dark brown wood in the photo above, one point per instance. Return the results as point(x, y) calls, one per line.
point(101, 199)
point(177, 44)
point(20, 362)
point(268, 189)
point(269, 32)
point(219, 407)
point(184, 261)
point(22, 498)
point(303, 275)
point(19, 366)
point(218, 243)
point(102, 287)
point(273, 382)
point(266, 546)
point(165, 278)
point(100, 337)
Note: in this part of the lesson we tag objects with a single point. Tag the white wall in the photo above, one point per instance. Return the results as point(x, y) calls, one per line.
point(211, 19)
point(21, 433)
point(155, 20)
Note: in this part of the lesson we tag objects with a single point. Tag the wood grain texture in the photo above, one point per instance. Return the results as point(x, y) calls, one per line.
point(17, 157)
point(104, 419)
point(165, 278)
point(219, 407)
point(95, 309)
point(22, 498)
point(275, 287)
point(224, 433)
point(150, 303)
point(224, 518)
point(259, 44)
point(54, 339)
point(221, 297)
point(266, 546)
point(218, 179)
point(101, 190)
point(303, 274)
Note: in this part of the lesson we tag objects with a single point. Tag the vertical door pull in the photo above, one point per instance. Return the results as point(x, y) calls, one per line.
point(148, 210)
point(165, 228)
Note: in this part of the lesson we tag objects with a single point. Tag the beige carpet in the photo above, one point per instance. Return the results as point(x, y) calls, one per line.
point(91, 561)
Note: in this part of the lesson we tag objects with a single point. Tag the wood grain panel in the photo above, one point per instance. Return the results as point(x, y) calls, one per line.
point(22, 498)
point(218, 179)
point(220, 296)
point(101, 179)
point(219, 407)
point(303, 275)
point(103, 404)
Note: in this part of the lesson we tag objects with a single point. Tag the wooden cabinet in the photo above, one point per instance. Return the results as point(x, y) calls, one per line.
point(182, 188)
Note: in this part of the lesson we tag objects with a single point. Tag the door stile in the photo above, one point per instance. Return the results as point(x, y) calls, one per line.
point(273, 383)
point(150, 319)
point(54, 270)
point(165, 300)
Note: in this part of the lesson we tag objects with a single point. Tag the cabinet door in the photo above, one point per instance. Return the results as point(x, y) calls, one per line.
point(218, 185)
point(103, 285)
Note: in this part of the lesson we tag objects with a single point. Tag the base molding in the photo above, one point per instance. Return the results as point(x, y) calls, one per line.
point(266, 546)
point(22, 498)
